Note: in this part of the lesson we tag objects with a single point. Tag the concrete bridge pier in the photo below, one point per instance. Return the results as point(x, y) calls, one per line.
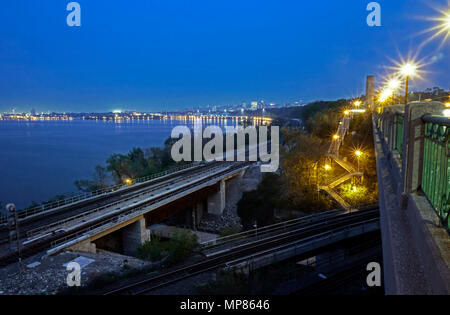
point(197, 213)
point(133, 236)
point(216, 202)
point(85, 246)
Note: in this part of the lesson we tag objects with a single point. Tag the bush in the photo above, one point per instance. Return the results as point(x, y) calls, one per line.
point(176, 249)
point(181, 245)
point(152, 250)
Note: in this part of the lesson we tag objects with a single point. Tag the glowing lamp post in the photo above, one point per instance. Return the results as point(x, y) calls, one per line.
point(357, 103)
point(358, 154)
point(408, 70)
point(385, 94)
point(393, 85)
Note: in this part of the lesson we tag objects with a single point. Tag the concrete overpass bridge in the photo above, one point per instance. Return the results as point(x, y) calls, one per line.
point(118, 219)
point(413, 151)
point(300, 238)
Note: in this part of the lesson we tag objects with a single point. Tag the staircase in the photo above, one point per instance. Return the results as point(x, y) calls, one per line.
point(333, 153)
point(341, 132)
point(330, 191)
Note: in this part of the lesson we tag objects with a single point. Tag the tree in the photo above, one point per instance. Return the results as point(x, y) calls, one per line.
point(100, 176)
point(119, 166)
point(323, 124)
point(138, 165)
point(300, 155)
point(98, 182)
point(259, 205)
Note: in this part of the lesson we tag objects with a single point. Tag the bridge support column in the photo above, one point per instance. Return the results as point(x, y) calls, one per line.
point(216, 202)
point(134, 235)
point(197, 214)
point(85, 246)
point(413, 144)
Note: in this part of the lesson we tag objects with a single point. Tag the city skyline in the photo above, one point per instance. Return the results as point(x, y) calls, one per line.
point(178, 55)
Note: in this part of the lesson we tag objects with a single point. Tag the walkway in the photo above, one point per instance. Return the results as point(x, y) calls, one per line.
point(333, 153)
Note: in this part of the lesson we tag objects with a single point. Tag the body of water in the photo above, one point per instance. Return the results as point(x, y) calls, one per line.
point(39, 160)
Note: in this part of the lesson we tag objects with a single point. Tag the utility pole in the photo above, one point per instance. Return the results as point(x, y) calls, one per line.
point(13, 225)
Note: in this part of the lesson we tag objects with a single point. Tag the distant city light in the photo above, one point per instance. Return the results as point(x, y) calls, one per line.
point(117, 111)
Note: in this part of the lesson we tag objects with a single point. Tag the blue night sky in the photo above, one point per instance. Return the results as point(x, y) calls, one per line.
point(167, 54)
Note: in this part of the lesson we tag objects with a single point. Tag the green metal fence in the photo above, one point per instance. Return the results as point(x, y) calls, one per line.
point(436, 167)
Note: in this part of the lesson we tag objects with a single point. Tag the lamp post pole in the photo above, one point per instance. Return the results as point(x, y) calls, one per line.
point(406, 89)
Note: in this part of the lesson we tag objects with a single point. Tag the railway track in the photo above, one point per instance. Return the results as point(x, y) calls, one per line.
point(79, 208)
point(55, 238)
point(341, 277)
point(243, 252)
point(283, 226)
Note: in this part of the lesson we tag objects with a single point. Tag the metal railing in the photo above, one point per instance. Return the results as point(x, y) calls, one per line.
point(435, 169)
point(63, 202)
point(281, 226)
point(312, 241)
point(390, 124)
point(432, 167)
point(341, 133)
point(62, 224)
point(142, 207)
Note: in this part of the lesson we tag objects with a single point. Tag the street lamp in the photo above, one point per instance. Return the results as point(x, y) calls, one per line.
point(358, 154)
point(393, 84)
point(357, 103)
point(443, 28)
point(336, 137)
point(385, 94)
point(408, 70)
point(327, 167)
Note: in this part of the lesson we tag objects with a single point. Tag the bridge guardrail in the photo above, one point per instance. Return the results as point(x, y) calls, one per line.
point(63, 202)
point(435, 170)
point(63, 223)
point(301, 243)
point(427, 161)
point(133, 212)
point(280, 226)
